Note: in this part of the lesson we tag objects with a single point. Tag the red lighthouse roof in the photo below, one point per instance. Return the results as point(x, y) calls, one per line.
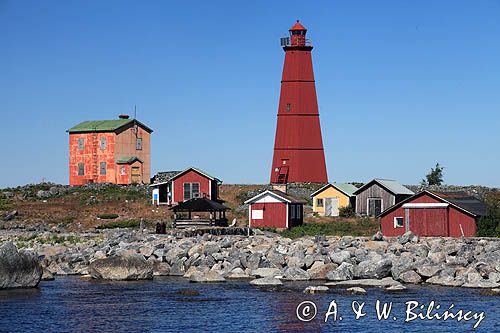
point(297, 26)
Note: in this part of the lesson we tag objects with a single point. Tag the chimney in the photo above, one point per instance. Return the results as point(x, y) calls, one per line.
point(123, 116)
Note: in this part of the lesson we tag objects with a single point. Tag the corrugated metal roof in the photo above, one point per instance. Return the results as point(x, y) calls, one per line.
point(394, 186)
point(104, 125)
point(348, 189)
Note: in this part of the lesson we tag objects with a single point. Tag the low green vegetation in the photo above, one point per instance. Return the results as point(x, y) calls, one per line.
point(5, 203)
point(107, 216)
point(360, 227)
point(28, 241)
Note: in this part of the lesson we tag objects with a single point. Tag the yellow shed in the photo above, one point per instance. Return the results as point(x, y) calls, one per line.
point(328, 199)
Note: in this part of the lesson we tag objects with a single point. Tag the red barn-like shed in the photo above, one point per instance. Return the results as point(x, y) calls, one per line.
point(446, 214)
point(185, 185)
point(275, 209)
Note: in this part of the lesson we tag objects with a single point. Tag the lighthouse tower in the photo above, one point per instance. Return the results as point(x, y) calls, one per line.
point(298, 148)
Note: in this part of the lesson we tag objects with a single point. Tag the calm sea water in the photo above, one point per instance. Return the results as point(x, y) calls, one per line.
point(72, 304)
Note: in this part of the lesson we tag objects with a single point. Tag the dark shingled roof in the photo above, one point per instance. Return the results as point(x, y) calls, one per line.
point(464, 201)
point(164, 176)
point(199, 205)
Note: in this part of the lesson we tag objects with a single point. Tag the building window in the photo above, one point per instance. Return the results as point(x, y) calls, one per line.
point(138, 143)
point(122, 170)
point(103, 143)
point(398, 222)
point(81, 169)
point(191, 190)
point(102, 168)
point(319, 202)
point(81, 144)
point(288, 107)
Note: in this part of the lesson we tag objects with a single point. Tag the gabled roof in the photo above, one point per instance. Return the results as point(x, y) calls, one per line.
point(390, 185)
point(282, 196)
point(128, 160)
point(163, 177)
point(177, 174)
point(347, 189)
point(297, 26)
point(199, 205)
point(459, 200)
point(105, 125)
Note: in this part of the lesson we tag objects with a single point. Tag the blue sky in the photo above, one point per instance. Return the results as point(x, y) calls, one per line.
point(401, 84)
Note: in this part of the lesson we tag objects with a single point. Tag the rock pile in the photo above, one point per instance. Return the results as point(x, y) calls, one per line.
point(270, 258)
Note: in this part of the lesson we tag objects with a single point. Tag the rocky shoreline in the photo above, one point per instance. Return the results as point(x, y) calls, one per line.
point(268, 259)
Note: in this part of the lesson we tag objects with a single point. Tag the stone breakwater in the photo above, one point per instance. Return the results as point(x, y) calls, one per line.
point(270, 259)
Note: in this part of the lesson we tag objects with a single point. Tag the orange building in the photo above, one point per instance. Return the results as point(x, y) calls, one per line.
point(109, 151)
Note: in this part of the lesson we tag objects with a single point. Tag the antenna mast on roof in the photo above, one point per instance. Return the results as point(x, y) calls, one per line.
point(135, 111)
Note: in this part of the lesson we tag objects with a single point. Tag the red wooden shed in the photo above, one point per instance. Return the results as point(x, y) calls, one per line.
point(446, 214)
point(184, 185)
point(275, 209)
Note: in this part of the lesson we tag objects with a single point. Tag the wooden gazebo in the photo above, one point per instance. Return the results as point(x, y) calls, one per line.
point(188, 213)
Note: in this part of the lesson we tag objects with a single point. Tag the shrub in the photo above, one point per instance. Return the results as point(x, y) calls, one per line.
point(135, 223)
point(361, 227)
point(489, 226)
point(5, 203)
point(347, 211)
point(107, 216)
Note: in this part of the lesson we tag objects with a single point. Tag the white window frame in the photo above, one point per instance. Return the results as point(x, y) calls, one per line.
point(396, 224)
point(101, 165)
point(191, 195)
point(81, 144)
point(138, 143)
point(103, 143)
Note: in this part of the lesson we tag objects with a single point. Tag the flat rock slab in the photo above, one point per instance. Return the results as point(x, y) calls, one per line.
point(266, 281)
point(316, 289)
point(208, 277)
point(382, 283)
point(356, 291)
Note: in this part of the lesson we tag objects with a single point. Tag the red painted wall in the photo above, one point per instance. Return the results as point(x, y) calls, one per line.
point(434, 221)
point(86, 156)
point(274, 215)
point(190, 177)
point(298, 131)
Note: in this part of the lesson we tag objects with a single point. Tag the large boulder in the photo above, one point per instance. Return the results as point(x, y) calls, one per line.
point(369, 269)
point(341, 273)
point(18, 269)
point(122, 267)
point(296, 274)
point(266, 281)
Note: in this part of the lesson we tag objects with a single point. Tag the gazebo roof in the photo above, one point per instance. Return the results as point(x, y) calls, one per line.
point(199, 205)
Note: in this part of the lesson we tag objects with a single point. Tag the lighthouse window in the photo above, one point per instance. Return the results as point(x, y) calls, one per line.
point(103, 143)
point(138, 144)
point(81, 169)
point(80, 144)
point(288, 107)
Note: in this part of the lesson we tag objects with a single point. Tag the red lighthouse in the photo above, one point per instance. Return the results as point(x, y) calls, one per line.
point(298, 148)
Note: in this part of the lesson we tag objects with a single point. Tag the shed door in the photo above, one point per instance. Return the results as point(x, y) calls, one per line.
point(374, 206)
point(332, 206)
point(428, 221)
point(136, 175)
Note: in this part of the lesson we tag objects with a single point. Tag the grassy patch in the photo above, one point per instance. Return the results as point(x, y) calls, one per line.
point(28, 241)
point(361, 227)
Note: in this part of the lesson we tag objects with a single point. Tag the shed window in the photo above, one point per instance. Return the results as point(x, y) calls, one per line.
point(122, 170)
point(319, 202)
point(81, 169)
point(398, 222)
point(288, 107)
point(102, 168)
point(81, 144)
point(138, 143)
point(191, 190)
point(103, 143)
